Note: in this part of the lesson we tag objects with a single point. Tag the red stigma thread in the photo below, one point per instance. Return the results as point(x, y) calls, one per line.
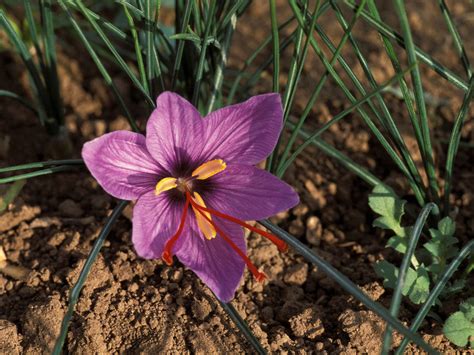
point(167, 255)
point(259, 276)
point(281, 245)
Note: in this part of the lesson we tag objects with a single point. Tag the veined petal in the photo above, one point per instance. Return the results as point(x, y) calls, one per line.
point(214, 261)
point(244, 133)
point(120, 162)
point(174, 133)
point(155, 220)
point(249, 193)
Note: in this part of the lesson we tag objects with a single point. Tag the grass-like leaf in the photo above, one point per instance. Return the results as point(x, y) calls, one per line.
point(454, 143)
point(180, 48)
point(248, 62)
point(457, 41)
point(276, 47)
point(24, 102)
point(296, 68)
point(297, 128)
point(315, 94)
point(389, 32)
point(119, 60)
point(202, 54)
point(103, 71)
point(25, 55)
point(138, 48)
point(340, 157)
point(42, 164)
point(419, 98)
point(50, 60)
point(42, 172)
point(12, 192)
point(386, 118)
point(405, 91)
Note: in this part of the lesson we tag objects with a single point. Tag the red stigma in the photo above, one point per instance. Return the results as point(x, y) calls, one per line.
point(167, 254)
point(259, 276)
point(281, 245)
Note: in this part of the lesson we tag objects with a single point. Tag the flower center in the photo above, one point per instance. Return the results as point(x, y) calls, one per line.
point(204, 215)
point(185, 184)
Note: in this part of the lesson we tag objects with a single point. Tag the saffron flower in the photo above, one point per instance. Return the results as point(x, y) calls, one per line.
point(195, 182)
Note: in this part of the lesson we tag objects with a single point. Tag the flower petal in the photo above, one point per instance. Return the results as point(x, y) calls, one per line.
point(244, 133)
point(214, 261)
point(120, 162)
point(174, 133)
point(155, 220)
point(249, 193)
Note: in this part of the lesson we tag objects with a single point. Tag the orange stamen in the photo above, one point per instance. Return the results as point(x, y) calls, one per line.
point(167, 255)
point(259, 276)
point(281, 245)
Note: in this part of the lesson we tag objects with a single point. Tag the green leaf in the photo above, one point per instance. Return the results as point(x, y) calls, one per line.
point(455, 287)
point(389, 273)
point(398, 243)
point(442, 243)
point(420, 288)
point(389, 206)
point(467, 307)
point(447, 226)
point(11, 194)
point(458, 329)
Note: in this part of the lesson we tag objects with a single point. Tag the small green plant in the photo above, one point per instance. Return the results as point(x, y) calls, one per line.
point(426, 264)
point(459, 327)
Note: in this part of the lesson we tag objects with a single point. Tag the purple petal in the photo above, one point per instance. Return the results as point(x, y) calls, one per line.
point(120, 162)
point(174, 132)
point(155, 220)
point(249, 193)
point(214, 261)
point(244, 133)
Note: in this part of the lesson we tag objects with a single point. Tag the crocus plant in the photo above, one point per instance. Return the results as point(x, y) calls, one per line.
point(195, 182)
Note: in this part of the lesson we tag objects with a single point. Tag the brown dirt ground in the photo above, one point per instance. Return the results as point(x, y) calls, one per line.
point(137, 306)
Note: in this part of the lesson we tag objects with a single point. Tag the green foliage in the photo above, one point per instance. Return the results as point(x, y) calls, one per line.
point(188, 56)
point(35, 43)
point(386, 203)
point(416, 284)
point(442, 244)
point(459, 327)
point(437, 252)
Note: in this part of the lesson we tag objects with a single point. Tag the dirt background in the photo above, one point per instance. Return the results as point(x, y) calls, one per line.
point(137, 306)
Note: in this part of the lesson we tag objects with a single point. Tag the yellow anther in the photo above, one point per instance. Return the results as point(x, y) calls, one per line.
point(206, 228)
point(209, 168)
point(165, 184)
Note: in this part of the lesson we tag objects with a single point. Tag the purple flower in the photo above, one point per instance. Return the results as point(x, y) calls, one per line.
point(195, 182)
